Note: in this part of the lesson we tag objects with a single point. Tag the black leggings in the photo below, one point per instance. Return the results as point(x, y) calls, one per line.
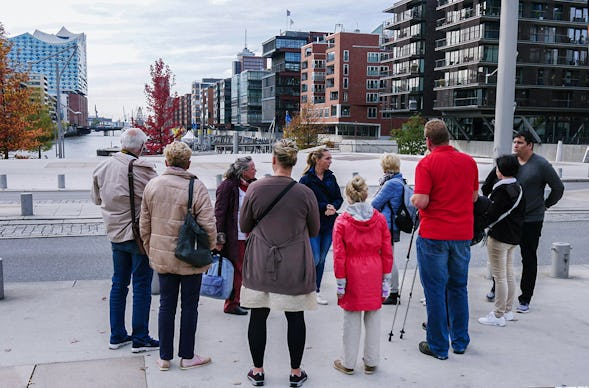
point(256, 335)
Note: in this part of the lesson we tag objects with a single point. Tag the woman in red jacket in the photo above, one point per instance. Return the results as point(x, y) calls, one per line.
point(363, 259)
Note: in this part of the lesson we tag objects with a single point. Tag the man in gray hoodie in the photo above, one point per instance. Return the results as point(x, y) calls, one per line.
point(534, 174)
point(111, 191)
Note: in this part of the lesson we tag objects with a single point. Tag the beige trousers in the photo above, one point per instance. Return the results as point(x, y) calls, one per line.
point(352, 334)
point(501, 262)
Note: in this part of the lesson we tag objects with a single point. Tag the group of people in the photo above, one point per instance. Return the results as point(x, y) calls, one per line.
point(277, 233)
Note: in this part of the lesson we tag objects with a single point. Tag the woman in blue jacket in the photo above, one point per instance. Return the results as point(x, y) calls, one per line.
point(387, 201)
point(319, 178)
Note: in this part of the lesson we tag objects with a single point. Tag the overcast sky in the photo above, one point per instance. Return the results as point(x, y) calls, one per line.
point(197, 39)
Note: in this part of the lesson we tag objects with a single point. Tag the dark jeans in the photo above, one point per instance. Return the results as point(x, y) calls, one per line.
point(296, 334)
point(320, 245)
point(528, 247)
point(189, 288)
point(129, 263)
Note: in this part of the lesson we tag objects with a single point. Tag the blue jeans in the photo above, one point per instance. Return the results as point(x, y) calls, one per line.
point(320, 245)
point(127, 262)
point(443, 269)
point(189, 288)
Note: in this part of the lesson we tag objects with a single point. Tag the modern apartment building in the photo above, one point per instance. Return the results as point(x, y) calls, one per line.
point(411, 56)
point(247, 60)
point(551, 85)
point(222, 104)
point(48, 54)
point(196, 105)
point(341, 81)
point(183, 112)
point(281, 87)
point(246, 99)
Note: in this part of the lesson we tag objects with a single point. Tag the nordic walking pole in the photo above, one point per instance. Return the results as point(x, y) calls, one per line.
point(408, 301)
point(403, 280)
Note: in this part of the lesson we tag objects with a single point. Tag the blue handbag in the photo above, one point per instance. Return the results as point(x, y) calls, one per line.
point(217, 282)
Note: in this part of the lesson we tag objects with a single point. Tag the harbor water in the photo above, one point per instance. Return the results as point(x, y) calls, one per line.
point(85, 146)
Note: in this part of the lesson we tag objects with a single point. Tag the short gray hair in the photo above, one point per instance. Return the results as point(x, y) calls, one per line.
point(238, 167)
point(133, 139)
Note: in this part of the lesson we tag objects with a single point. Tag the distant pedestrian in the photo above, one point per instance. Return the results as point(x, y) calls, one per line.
point(362, 259)
point(387, 200)
point(111, 191)
point(534, 173)
point(446, 186)
point(163, 211)
point(319, 178)
point(230, 195)
point(278, 269)
point(506, 215)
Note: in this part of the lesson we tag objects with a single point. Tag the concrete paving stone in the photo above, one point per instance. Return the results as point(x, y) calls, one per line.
point(16, 376)
point(106, 373)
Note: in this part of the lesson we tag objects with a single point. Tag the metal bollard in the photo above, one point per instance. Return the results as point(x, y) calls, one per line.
point(3, 184)
point(26, 204)
point(219, 179)
point(1, 280)
point(561, 254)
point(61, 181)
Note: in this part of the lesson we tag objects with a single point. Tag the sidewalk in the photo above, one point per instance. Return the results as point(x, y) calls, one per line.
point(55, 335)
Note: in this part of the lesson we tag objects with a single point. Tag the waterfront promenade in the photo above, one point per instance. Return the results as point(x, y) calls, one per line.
point(55, 334)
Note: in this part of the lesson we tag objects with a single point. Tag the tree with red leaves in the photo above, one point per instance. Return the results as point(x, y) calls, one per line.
point(161, 104)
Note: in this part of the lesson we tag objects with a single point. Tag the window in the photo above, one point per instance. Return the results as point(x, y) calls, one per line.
point(371, 97)
point(330, 56)
point(346, 69)
point(346, 55)
point(372, 70)
point(304, 76)
point(345, 111)
point(345, 97)
point(334, 110)
point(329, 83)
point(346, 82)
point(333, 95)
point(372, 84)
point(373, 57)
point(372, 112)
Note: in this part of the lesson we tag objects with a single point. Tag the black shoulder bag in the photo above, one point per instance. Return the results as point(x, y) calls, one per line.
point(134, 219)
point(193, 242)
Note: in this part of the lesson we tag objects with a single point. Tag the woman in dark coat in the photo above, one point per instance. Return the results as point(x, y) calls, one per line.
point(319, 178)
point(231, 244)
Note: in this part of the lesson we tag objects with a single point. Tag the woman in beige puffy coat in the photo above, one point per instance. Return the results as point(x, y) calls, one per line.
point(163, 210)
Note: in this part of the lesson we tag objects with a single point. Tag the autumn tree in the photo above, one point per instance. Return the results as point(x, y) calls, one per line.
point(410, 136)
point(41, 121)
point(161, 105)
point(17, 130)
point(304, 127)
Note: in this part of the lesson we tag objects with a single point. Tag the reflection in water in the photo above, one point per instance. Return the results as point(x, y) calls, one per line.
point(85, 146)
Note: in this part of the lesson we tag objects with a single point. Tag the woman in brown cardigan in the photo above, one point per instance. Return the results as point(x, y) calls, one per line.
point(278, 270)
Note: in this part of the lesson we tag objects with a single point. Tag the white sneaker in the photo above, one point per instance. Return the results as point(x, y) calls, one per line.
point(509, 316)
point(320, 300)
point(492, 320)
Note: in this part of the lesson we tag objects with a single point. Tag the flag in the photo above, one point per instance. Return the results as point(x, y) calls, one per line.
point(287, 12)
point(287, 118)
point(291, 22)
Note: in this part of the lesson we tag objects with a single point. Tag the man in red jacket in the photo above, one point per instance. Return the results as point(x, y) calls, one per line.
point(446, 186)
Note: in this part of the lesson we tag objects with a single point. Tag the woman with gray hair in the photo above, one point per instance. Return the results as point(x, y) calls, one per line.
point(278, 269)
point(387, 200)
point(231, 242)
point(163, 210)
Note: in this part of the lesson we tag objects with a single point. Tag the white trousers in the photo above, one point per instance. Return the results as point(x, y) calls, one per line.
point(352, 333)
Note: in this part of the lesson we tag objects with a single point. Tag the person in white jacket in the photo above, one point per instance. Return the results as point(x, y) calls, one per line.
point(111, 191)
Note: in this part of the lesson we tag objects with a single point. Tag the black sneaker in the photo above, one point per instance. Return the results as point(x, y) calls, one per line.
point(257, 379)
point(425, 349)
point(393, 298)
point(150, 344)
point(120, 344)
point(297, 381)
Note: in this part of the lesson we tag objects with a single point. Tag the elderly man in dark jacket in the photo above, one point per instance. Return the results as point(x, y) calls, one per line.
point(230, 194)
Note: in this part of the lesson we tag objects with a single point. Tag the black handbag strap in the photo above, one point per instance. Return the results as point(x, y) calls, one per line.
point(190, 189)
point(132, 192)
point(278, 197)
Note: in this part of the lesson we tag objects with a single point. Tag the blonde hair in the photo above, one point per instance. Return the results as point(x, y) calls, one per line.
point(437, 132)
point(390, 162)
point(177, 154)
point(356, 189)
point(313, 157)
point(286, 152)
